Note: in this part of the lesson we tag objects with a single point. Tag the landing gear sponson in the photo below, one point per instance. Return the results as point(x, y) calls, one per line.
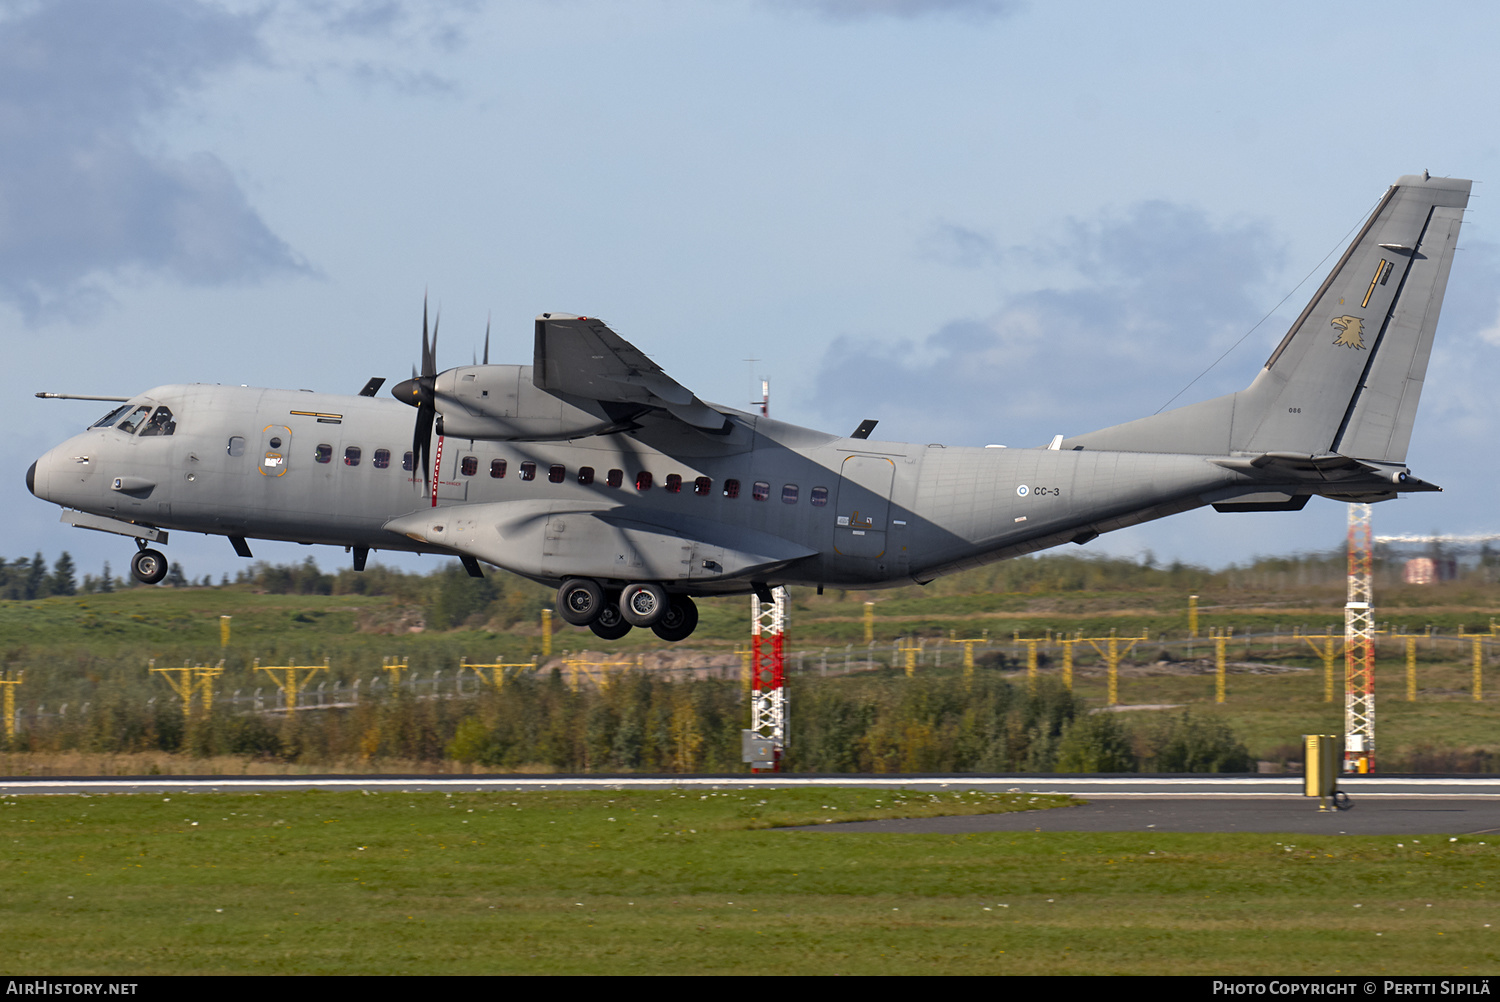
point(611, 615)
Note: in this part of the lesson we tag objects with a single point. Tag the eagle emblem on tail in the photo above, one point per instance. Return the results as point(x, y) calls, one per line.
point(1351, 332)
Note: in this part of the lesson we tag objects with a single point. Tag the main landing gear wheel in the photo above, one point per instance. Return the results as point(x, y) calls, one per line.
point(679, 621)
point(148, 566)
point(611, 623)
point(579, 601)
point(643, 604)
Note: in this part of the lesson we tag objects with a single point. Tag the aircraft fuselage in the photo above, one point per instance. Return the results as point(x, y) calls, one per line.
point(328, 469)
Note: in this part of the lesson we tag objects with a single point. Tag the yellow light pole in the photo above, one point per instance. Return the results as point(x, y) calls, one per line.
point(1193, 616)
point(187, 680)
point(224, 630)
point(393, 667)
point(869, 622)
point(288, 680)
point(969, 659)
point(578, 667)
point(911, 658)
point(1329, 655)
point(203, 677)
point(10, 701)
point(1411, 663)
point(1067, 662)
point(1221, 640)
point(1031, 660)
point(546, 633)
point(1478, 668)
point(1112, 655)
point(496, 678)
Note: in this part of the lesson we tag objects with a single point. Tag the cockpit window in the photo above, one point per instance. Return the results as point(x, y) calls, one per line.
point(161, 423)
point(133, 420)
point(109, 418)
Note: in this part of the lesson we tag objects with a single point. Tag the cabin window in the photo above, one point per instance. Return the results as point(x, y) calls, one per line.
point(497, 469)
point(469, 465)
point(322, 453)
point(161, 423)
point(236, 445)
point(133, 420)
point(615, 478)
point(109, 418)
point(789, 494)
point(408, 461)
point(585, 475)
point(351, 456)
point(761, 490)
point(673, 484)
point(381, 460)
point(703, 487)
point(819, 497)
point(643, 481)
point(528, 470)
point(556, 472)
point(731, 488)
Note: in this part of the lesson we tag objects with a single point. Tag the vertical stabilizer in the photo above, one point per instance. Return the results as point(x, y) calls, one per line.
point(1348, 374)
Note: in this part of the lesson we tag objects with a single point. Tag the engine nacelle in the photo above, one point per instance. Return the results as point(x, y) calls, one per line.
point(501, 403)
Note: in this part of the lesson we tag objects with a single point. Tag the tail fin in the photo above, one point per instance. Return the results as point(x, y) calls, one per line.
point(1347, 376)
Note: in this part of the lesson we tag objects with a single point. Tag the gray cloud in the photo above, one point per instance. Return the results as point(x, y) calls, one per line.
point(81, 195)
point(959, 246)
point(1160, 293)
point(858, 10)
point(441, 23)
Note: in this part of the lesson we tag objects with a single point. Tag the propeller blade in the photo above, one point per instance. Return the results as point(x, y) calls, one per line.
point(422, 440)
point(486, 340)
point(428, 363)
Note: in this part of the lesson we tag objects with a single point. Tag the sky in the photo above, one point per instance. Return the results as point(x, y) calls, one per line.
point(977, 221)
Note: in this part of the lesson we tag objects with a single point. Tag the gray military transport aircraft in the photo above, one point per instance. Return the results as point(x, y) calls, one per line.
point(593, 471)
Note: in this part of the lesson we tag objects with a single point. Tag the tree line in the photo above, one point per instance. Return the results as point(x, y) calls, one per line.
point(640, 722)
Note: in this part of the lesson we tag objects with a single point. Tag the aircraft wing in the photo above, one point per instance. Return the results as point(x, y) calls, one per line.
point(582, 357)
point(563, 539)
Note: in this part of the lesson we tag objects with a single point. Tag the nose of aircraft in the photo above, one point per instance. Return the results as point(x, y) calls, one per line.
point(31, 478)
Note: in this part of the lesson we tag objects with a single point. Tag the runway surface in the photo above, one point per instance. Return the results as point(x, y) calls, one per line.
point(1385, 815)
point(1379, 805)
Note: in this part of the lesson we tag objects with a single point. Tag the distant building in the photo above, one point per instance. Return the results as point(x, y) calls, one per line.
point(1429, 570)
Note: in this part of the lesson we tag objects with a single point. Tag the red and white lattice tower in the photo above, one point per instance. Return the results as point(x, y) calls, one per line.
point(768, 710)
point(1359, 648)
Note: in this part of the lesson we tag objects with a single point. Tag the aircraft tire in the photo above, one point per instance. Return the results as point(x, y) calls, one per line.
point(611, 624)
point(148, 566)
point(679, 621)
point(642, 604)
point(579, 601)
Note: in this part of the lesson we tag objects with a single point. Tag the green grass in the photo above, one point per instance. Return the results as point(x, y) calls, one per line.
point(679, 882)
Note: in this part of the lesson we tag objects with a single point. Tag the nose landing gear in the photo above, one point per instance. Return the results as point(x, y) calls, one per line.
point(148, 566)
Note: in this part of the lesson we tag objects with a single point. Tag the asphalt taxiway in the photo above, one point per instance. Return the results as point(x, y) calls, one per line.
point(1377, 805)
